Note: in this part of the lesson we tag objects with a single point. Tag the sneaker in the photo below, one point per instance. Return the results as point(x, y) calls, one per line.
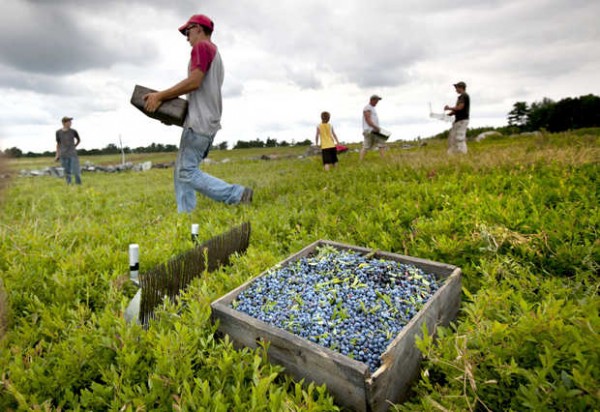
point(247, 195)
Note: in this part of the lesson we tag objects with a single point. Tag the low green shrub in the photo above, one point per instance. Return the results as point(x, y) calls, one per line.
point(518, 215)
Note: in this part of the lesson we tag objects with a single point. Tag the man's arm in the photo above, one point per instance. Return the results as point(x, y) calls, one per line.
point(460, 104)
point(57, 147)
point(77, 139)
point(367, 114)
point(191, 83)
point(317, 136)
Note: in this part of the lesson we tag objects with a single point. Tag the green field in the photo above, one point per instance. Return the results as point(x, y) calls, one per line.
point(519, 215)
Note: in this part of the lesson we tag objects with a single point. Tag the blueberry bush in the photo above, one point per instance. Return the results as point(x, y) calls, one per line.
point(518, 214)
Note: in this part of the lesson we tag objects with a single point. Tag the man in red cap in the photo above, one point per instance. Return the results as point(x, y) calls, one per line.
point(203, 120)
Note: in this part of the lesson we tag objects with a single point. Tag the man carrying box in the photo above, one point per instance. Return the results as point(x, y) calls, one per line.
point(371, 129)
point(203, 120)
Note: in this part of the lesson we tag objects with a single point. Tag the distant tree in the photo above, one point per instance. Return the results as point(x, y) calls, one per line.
point(13, 152)
point(222, 146)
point(575, 113)
point(245, 145)
point(257, 143)
point(271, 142)
point(563, 115)
point(284, 144)
point(589, 110)
point(306, 142)
point(154, 148)
point(539, 114)
point(111, 149)
point(566, 114)
point(91, 152)
point(518, 115)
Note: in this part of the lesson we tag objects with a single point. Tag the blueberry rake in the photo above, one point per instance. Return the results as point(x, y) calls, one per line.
point(167, 280)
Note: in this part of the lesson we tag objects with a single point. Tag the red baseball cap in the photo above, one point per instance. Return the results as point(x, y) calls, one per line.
point(200, 19)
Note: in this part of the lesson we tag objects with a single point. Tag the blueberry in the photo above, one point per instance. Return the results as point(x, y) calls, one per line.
point(341, 300)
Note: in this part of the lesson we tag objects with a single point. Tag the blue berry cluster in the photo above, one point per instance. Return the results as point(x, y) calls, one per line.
point(345, 301)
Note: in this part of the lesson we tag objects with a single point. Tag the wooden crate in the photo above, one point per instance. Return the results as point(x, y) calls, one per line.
point(349, 381)
point(169, 112)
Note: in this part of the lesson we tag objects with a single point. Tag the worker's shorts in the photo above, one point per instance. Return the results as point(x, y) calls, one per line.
point(372, 140)
point(457, 140)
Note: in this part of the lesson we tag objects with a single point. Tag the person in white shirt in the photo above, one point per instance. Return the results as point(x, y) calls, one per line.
point(370, 124)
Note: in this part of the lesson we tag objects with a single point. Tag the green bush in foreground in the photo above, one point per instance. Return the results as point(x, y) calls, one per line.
point(525, 344)
point(519, 215)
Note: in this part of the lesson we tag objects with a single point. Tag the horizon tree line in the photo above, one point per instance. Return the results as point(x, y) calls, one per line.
point(566, 114)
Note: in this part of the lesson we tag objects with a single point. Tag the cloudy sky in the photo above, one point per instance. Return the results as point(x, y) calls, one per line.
point(286, 61)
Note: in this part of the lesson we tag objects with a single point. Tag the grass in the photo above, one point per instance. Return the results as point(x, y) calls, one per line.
point(519, 215)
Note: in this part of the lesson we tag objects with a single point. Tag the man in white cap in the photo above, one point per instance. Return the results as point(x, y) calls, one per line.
point(370, 123)
point(203, 120)
point(457, 139)
point(67, 140)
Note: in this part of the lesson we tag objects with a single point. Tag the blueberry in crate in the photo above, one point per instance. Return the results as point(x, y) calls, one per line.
point(345, 316)
point(340, 299)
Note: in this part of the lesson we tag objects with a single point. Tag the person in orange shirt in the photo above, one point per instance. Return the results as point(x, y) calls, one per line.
point(328, 141)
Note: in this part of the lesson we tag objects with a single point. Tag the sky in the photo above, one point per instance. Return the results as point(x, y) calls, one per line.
point(287, 61)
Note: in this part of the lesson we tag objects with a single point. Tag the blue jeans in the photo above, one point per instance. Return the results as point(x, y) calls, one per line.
point(71, 167)
point(189, 179)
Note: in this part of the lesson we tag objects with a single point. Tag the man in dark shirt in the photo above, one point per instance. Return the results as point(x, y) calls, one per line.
point(457, 140)
point(67, 140)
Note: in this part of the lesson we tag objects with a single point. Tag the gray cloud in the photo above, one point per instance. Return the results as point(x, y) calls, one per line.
point(11, 78)
point(304, 76)
point(59, 38)
point(357, 44)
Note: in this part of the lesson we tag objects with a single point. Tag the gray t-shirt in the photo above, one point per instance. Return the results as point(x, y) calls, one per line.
point(66, 142)
point(205, 104)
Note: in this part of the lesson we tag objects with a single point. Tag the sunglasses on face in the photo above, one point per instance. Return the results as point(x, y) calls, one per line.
point(190, 27)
